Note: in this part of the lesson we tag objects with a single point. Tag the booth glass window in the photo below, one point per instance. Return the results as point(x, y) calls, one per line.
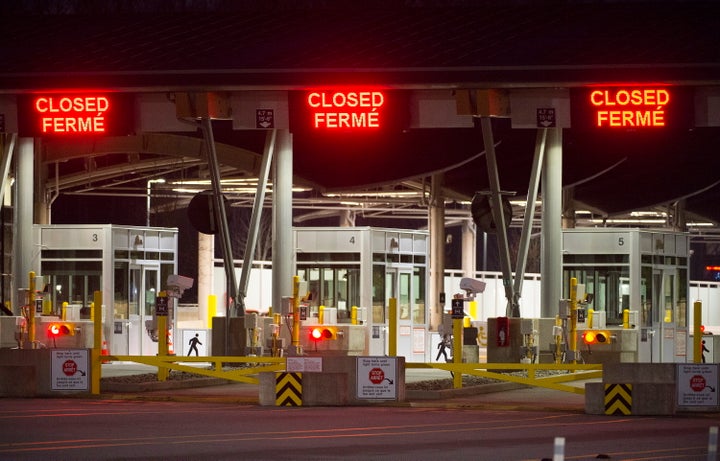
point(72, 282)
point(681, 314)
point(646, 285)
point(419, 295)
point(378, 294)
point(332, 286)
point(121, 308)
point(609, 285)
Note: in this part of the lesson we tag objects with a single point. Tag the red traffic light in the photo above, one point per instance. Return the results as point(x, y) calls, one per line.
point(322, 333)
point(596, 337)
point(59, 329)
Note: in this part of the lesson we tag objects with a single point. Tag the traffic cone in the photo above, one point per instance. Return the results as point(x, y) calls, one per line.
point(170, 344)
point(104, 351)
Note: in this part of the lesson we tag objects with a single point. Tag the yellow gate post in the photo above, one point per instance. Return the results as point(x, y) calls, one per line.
point(95, 352)
point(697, 333)
point(457, 350)
point(392, 327)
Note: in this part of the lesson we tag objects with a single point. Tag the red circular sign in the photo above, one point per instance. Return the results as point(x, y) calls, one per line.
point(69, 367)
point(376, 375)
point(697, 383)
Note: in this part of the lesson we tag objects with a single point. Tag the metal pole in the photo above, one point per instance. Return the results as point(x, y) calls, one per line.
point(283, 252)
point(255, 220)
point(498, 215)
point(551, 260)
point(529, 215)
point(225, 243)
point(24, 255)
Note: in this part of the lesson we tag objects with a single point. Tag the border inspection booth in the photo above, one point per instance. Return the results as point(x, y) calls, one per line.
point(352, 273)
point(129, 265)
point(635, 285)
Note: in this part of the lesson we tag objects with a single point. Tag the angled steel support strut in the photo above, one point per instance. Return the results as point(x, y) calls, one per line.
point(498, 216)
point(255, 220)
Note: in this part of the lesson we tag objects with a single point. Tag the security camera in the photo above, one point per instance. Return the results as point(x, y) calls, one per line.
point(179, 281)
point(472, 286)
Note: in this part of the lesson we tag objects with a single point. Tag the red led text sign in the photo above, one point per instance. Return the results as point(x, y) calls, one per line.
point(80, 114)
point(629, 108)
point(86, 114)
point(346, 109)
point(632, 107)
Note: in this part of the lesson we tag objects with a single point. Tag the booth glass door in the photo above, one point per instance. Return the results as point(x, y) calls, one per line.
point(665, 295)
point(142, 330)
point(410, 337)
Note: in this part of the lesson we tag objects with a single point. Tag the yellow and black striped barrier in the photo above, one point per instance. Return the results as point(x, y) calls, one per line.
point(288, 389)
point(618, 399)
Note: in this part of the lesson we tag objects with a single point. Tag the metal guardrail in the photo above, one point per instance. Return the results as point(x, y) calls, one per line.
point(256, 365)
point(574, 372)
point(246, 374)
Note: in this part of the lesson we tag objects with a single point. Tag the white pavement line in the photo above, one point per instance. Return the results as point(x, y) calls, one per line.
point(713, 444)
point(559, 450)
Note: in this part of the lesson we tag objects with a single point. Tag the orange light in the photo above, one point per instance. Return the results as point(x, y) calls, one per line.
point(322, 333)
point(596, 337)
point(57, 329)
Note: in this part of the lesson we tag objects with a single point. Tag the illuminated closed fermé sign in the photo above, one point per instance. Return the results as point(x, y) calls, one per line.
point(341, 111)
point(74, 114)
point(631, 107)
point(346, 109)
point(79, 114)
point(639, 107)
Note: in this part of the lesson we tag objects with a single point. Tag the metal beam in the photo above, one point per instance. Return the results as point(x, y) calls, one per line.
point(255, 220)
point(498, 215)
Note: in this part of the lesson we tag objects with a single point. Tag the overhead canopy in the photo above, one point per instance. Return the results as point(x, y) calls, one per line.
point(438, 45)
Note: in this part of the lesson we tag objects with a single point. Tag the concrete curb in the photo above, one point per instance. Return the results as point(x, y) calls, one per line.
point(462, 392)
point(149, 386)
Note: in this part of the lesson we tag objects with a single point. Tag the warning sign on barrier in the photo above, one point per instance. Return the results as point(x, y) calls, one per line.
point(376, 378)
point(697, 384)
point(69, 370)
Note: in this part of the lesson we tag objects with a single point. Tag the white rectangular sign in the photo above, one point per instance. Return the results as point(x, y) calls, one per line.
point(697, 384)
point(304, 364)
point(69, 370)
point(377, 378)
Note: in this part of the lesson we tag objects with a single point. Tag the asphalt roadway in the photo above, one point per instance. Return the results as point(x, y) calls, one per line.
point(507, 396)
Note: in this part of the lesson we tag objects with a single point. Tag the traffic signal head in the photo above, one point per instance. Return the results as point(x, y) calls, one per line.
point(596, 337)
point(59, 329)
point(323, 333)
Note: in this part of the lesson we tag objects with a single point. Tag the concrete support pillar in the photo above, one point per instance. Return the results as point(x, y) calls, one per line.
point(551, 236)
point(205, 282)
point(24, 257)
point(437, 250)
point(469, 249)
point(41, 207)
point(283, 255)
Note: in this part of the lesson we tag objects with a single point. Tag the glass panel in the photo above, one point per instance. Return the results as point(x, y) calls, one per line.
point(404, 296)
point(681, 314)
point(378, 294)
point(328, 293)
point(419, 295)
point(122, 285)
point(646, 284)
point(669, 297)
point(150, 291)
point(134, 292)
point(610, 287)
